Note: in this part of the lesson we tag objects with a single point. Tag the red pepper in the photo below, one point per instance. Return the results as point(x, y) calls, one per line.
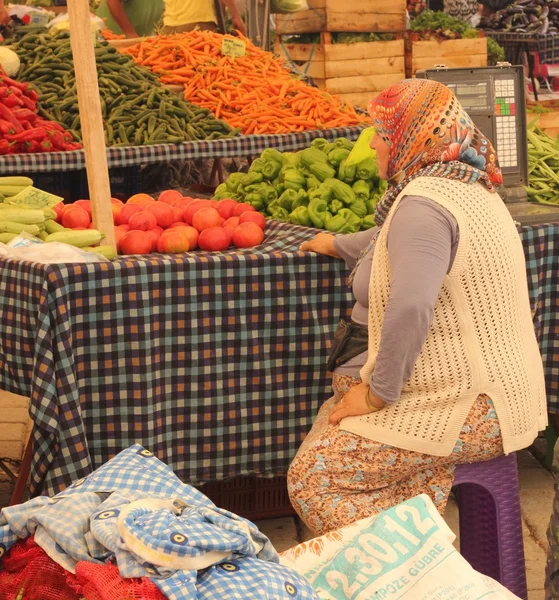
point(8, 115)
point(24, 114)
point(6, 127)
point(5, 147)
point(28, 103)
point(11, 100)
point(3, 91)
point(60, 143)
point(12, 82)
point(50, 125)
point(31, 135)
point(16, 91)
point(47, 146)
point(32, 146)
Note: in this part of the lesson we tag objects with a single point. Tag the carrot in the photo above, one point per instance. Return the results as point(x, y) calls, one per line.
point(255, 92)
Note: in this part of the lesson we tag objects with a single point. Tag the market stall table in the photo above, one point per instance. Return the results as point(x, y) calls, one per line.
point(215, 362)
point(238, 146)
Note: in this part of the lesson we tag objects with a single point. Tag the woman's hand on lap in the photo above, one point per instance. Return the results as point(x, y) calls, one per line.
point(322, 243)
point(354, 403)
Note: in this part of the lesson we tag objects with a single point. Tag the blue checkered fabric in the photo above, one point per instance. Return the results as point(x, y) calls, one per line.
point(217, 362)
point(239, 146)
point(137, 497)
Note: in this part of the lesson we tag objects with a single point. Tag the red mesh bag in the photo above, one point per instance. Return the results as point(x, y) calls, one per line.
point(103, 582)
point(27, 573)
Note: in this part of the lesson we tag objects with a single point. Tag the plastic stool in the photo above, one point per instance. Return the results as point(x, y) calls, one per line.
point(490, 521)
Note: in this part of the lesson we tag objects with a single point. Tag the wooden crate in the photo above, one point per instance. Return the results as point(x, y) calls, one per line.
point(355, 72)
point(337, 15)
point(452, 53)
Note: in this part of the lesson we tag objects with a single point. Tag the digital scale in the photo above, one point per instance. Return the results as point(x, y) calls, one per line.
point(494, 99)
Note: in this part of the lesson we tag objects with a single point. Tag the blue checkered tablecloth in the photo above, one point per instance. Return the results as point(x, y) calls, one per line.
point(239, 146)
point(216, 362)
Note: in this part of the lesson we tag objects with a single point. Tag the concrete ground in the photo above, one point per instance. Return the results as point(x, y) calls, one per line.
point(536, 491)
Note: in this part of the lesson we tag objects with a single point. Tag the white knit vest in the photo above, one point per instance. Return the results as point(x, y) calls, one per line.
point(481, 339)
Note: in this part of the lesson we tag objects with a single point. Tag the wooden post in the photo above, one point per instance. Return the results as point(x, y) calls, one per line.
point(89, 102)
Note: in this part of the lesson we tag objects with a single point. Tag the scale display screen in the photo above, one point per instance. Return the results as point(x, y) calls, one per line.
point(491, 96)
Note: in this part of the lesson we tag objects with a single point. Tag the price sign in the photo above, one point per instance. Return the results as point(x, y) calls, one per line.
point(233, 47)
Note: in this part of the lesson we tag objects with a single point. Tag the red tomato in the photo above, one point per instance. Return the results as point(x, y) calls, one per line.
point(58, 208)
point(135, 242)
point(214, 239)
point(76, 217)
point(126, 212)
point(140, 199)
point(173, 241)
point(85, 204)
point(226, 208)
point(194, 207)
point(253, 217)
point(206, 218)
point(241, 208)
point(247, 235)
point(143, 220)
point(163, 213)
point(169, 196)
point(154, 234)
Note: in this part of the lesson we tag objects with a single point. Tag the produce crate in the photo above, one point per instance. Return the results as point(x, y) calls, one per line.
point(451, 53)
point(251, 497)
point(337, 15)
point(124, 181)
point(355, 72)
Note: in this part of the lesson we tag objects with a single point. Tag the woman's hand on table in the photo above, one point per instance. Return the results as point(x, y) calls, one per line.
point(322, 243)
point(359, 400)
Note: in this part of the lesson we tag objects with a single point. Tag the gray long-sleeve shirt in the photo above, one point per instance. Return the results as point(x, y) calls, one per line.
point(422, 244)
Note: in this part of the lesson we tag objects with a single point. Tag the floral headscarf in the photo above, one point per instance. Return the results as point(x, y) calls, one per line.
point(430, 135)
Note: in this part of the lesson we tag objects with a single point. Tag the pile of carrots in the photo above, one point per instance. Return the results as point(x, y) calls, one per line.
point(254, 93)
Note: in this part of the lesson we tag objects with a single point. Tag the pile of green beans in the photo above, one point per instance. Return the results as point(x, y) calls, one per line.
point(137, 109)
point(543, 164)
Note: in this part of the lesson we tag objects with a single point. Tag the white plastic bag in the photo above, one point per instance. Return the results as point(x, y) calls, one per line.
point(28, 247)
point(30, 15)
point(404, 553)
point(288, 6)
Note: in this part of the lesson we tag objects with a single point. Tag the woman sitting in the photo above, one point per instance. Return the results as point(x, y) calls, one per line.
point(451, 371)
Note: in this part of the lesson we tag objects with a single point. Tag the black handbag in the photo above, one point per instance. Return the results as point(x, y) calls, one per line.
point(350, 340)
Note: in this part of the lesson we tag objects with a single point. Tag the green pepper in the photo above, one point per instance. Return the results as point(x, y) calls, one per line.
point(290, 160)
point(359, 208)
point(351, 218)
point(264, 190)
point(312, 183)
point(287, 198)
point(344, 143)
point(234, 181)
point(294, 180)
point(335, 205)
point(251, 178)
point(317, 210)
point(324, 192)
point(367, 222)
point(371, 206)
point(320, 144)
point(337, 224)
point(256, 201)
point(257, 166)
point(271, 154)
point(300, 216)
point(367, 169)
point(346, 172)
point(302, 199)
point(361, 189)
point(221, 192)
point(342, 191)
point(271, 169)
point(279, 214)
point(336, 156)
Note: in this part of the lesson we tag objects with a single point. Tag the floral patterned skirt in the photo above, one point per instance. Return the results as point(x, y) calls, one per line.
point(338, 477)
